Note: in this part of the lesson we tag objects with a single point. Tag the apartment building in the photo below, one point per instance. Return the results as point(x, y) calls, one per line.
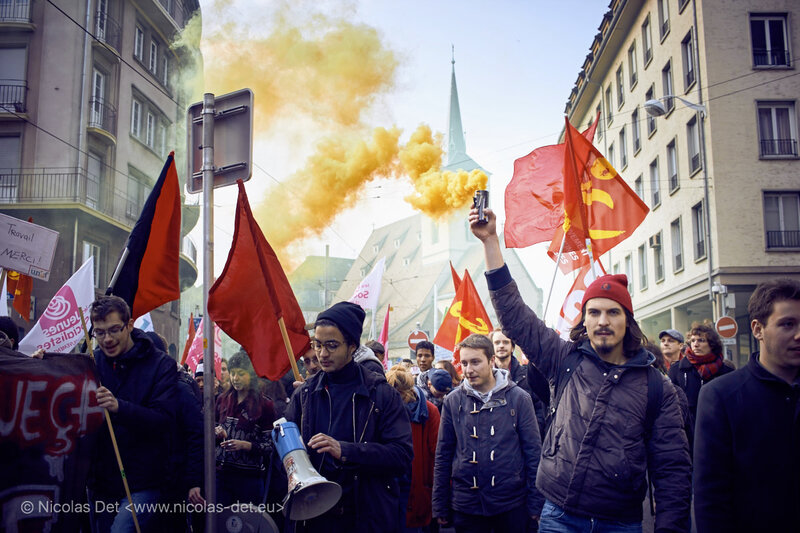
point(716, 159)
point(90, 106)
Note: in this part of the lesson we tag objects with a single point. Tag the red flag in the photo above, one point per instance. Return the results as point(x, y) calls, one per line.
point(465, 316)
point(383, 338)
point(252, 293)
point(189, 339)
point(597, 203)
point(20, 287)
point(456, 279)
point(150, 275)
point(534, 197)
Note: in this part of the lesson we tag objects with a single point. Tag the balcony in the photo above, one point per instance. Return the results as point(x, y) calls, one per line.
point(15, 11)
point(763, 57)
point(107, 30)
point(102, 116)
point(188, 263)
point(12, 96)
point(178, 10)
point(783, 239)
point(778, 148)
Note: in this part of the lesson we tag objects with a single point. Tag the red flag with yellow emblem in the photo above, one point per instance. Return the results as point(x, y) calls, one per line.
point(465, 317)
point(598, 205)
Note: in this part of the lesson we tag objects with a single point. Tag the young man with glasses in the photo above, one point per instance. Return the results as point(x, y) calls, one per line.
point(356, 429)
point(138, 384)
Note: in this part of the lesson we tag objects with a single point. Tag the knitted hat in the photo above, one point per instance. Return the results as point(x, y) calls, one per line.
point(614, 287)
point(674, 333)
point(348, 317)
point(440, 379)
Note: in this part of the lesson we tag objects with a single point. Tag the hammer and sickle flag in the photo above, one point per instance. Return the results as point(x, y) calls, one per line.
point(466, 316)
point(598, 204)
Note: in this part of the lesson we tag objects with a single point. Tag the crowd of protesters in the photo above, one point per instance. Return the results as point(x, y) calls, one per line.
point(579, 439)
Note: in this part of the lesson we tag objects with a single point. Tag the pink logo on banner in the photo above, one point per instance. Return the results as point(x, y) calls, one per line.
point(61, 321)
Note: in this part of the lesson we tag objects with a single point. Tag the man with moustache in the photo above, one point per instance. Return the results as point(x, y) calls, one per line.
point(598, 447)
point(356, 428)
point(671, 344)
point(138, 387)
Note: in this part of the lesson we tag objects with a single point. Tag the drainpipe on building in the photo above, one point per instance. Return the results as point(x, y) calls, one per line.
point(81, 124)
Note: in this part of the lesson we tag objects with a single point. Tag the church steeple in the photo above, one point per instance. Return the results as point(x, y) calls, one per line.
point(456, 144)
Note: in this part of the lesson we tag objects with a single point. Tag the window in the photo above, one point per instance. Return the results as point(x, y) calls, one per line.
point(770, 43)
point(666, 84)
point(663, 18)
point(642, 268)
point(693, 145)
point(658, 256)
point(94, 177)
point(698, 231)
point(615, 268)
point(98, 94)
point(598, 113)
point(162, 139)
point(135, 196)
point(101, 20)
point(655, 188)
point(687, 53)
point(638, 187)
point(13, 78)
point(777, 132)
point(672, 166)
point(647, 42)
point(782, 219)
point(651, 120)
point(165, 70)
point(623, 149)
point(677, 245)
point(396, 243)
point(9, 163)
point(635, 131)
point(682, 4)
point(611, 154)
point(375, 250)
point(620, 88)
point(154, 57)
point(150, 133)
point(629, 272)
point(93, 250)
point(633, 73)
point(138, 44)
point(609, 112)
point(406, 261)
point(136, 118)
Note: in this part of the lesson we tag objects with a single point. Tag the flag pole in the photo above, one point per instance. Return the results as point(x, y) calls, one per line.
point(570, 152)
point(553, 282)
point(112, 433)
point(118, 270)
point(288, 345)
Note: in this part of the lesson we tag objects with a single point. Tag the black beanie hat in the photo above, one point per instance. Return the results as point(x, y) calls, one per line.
point(348, 317)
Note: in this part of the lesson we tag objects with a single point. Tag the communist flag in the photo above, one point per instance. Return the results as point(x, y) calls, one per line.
point(534, 197)
point(597, 203)
point(456, 279)
point(20, 286)
point(252, 294)
point(465, 317)
point(150, 274)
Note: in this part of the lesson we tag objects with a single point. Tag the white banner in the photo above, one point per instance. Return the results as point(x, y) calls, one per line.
point(570, 313)
point(369, 290)
point(144, 323)
point(59, 328)
point(27, 247)
point(4, 302)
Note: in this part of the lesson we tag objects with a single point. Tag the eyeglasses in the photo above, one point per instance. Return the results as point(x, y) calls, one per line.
point(330, 346)
point(113, 331)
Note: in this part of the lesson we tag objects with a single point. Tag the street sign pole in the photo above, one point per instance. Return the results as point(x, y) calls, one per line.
point(209, 452)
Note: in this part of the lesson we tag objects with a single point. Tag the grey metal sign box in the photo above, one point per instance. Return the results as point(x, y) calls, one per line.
point(233, 140)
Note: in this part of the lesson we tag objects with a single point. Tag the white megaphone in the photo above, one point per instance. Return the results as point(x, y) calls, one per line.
point(310, 494)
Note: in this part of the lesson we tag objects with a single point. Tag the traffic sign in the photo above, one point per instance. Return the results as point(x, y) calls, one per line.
point(416, 337)
point(726, 327)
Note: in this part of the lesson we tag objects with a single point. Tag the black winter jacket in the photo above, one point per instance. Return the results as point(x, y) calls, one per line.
point(747, 453)
point(595, 453)
point(380, 453)
point(144, 381)
point(685, 375)
point(519, 375)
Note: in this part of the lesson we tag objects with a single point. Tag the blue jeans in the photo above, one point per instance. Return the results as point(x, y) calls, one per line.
point(114, 516)
point(554, 519)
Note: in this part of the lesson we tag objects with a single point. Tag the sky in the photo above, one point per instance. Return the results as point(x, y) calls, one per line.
point(327, 74)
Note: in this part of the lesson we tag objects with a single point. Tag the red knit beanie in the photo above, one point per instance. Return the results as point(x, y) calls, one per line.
point(614, 287)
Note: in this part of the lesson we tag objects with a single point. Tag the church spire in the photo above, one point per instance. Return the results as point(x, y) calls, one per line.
point(456, 144)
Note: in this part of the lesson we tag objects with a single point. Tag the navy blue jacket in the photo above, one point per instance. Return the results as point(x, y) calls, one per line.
point(144, 381)
point(747, 453)
point(501, 462)
point(519, 375)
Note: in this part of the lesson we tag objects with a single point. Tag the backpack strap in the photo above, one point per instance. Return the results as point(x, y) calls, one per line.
point(567, 369)
point(655, 390)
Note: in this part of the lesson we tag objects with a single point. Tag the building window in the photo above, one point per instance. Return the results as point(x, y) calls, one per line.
point(620, 88)
point(611, 154)
point(98, 99)
point(138, 44)
point(629, 272)
point(609, 105)
point(375, 250)
point(655, 187)
point(136, 118)
point(150, 133)
point(615, 268)
point(9, 161)
point(698, 231)
point(642, 268)
point(93, 250)
point(693, 144)
point(633, 72)
point(95, 167)
point(770, 43)
point(677, 245)
point(777, 130)
point(13, 83)
point(165, 70)
point(396, 243)
point(636, 131)
point(651, 120)
point(162, 139)
point(658, 256)
point(682, 4)
point(638, 187)
point(623, 149)
point(672, 166)
point(598, 113)
point(154, 57)
point(666, 84)
point(782, 219)
point(647, 42)
point(406, 262)
point(687, 53)
point(663, 18)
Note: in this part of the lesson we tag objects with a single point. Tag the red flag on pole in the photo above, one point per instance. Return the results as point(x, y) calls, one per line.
point(456, 279)
point(598, 205)
point(20, 286)
point(383, 338)
point(534, 197)
point(465, 316)
point(252, 294)
point(189, 339)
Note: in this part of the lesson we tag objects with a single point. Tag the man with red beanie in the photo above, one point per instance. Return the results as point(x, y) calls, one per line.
point(616, 420)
